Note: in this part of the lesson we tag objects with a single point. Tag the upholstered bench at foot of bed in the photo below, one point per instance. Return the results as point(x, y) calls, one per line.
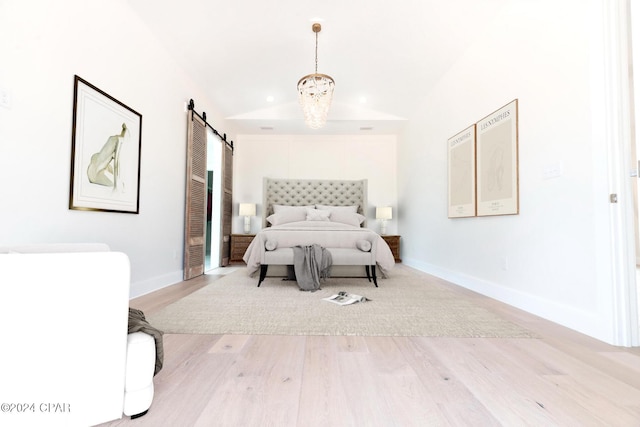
point(340, 256)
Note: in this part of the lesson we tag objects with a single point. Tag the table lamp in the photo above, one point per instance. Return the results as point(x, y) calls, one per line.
point(383, 213)
point(247, 210)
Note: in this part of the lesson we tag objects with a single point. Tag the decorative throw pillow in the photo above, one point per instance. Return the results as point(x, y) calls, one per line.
point(345, 217)
point(363, 245)
point(271, 245)
point(317, 215)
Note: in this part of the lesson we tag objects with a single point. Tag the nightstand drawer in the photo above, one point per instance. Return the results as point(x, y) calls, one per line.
point(394, 244)
point(239, 245)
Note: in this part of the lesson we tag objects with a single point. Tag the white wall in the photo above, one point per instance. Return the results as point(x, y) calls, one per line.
point(545, 53)
point(43, 45)
point(553, 258)
point(315, 157)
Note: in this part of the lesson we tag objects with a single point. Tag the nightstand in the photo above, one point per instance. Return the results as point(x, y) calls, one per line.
point(239, 245)
point(394, 245)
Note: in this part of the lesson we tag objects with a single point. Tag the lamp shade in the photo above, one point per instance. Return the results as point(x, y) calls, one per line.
point(247, 209)
point(383, 212)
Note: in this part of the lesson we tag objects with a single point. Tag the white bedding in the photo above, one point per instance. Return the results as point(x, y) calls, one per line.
point(324, 233)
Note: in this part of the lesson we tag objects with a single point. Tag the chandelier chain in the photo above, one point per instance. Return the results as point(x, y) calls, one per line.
point(316, 52)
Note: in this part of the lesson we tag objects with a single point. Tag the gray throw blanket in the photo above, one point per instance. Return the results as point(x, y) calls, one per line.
point(311, 265)
point(137, 323)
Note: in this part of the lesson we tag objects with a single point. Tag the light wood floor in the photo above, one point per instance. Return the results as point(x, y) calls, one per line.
point(562, 378)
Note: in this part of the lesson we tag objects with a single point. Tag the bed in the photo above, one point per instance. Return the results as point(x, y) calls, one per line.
point(328, 213)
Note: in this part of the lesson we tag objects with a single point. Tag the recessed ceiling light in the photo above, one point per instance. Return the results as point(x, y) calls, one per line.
point(366, 128)
point(270, 98)
point(363, 100)
point(266, 127)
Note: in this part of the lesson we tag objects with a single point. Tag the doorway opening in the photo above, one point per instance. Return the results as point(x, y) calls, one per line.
point(213, 203)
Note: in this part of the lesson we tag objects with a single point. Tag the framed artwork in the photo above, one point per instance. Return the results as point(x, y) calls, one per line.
point(106, 140)
point(462, 173)
point(497, 162)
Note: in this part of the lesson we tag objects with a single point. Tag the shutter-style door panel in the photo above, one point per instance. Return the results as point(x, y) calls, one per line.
point(196, 193)
point(227, 207)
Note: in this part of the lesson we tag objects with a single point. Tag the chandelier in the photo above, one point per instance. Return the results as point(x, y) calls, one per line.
point(315, 92)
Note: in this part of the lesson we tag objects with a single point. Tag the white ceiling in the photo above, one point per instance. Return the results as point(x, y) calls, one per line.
point(389, 53)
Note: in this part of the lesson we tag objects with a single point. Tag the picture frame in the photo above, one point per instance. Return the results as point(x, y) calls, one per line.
point(497, 162)
point(106, 142)
point(462, 173)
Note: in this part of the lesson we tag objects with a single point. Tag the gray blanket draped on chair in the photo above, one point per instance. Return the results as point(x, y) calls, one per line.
point(311, 265)
point(138, 323)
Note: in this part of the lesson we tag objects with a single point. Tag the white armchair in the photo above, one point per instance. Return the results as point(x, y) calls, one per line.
point(138, 386)
point(64, 311)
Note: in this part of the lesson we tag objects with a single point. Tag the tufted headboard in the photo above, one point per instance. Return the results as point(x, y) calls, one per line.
point(301, 192)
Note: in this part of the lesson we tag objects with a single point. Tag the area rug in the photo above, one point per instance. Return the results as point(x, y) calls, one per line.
point(407, 303)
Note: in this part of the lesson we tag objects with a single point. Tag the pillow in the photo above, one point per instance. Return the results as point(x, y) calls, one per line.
point(353, 209)
point(282, 208)
point(286, 216)
point(345, 217)
point(363, 245)
point(317, 215)
point(271, 245)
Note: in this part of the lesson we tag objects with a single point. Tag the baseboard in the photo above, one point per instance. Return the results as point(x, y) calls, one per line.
point(582, 321)
point(155, 283)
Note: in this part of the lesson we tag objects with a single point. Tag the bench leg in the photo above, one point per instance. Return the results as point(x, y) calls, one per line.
point(368, 273)
point(263, 273)
point(373, 273)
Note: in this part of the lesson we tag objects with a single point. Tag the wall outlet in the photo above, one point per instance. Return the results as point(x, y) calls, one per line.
point(504, 261)
point(5, 98)
point(552, 170)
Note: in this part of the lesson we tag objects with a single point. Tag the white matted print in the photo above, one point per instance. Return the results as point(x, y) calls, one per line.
point(105, 152)
point(462, 173)
point(497, 162)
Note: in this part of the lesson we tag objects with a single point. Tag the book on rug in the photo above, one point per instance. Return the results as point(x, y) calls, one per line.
point(345, 298)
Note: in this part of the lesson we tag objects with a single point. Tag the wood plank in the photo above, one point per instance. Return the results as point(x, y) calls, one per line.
point(323, 401)
point(350, 343)
point(590, 377)
point(398, 384)
point(529, 375)
point(230, 344)
point(362, 394)
point(622, 358)
point(456, 402)
point(502, 391)
point(185, 384)
point(260, 387)
point(161, 298)
point(596, 409)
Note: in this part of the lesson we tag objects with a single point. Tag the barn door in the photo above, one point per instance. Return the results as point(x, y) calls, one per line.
point(196, 196)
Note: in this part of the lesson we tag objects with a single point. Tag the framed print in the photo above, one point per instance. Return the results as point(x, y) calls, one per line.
point(105, 152)
point(462, 173)
point(497, 162)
